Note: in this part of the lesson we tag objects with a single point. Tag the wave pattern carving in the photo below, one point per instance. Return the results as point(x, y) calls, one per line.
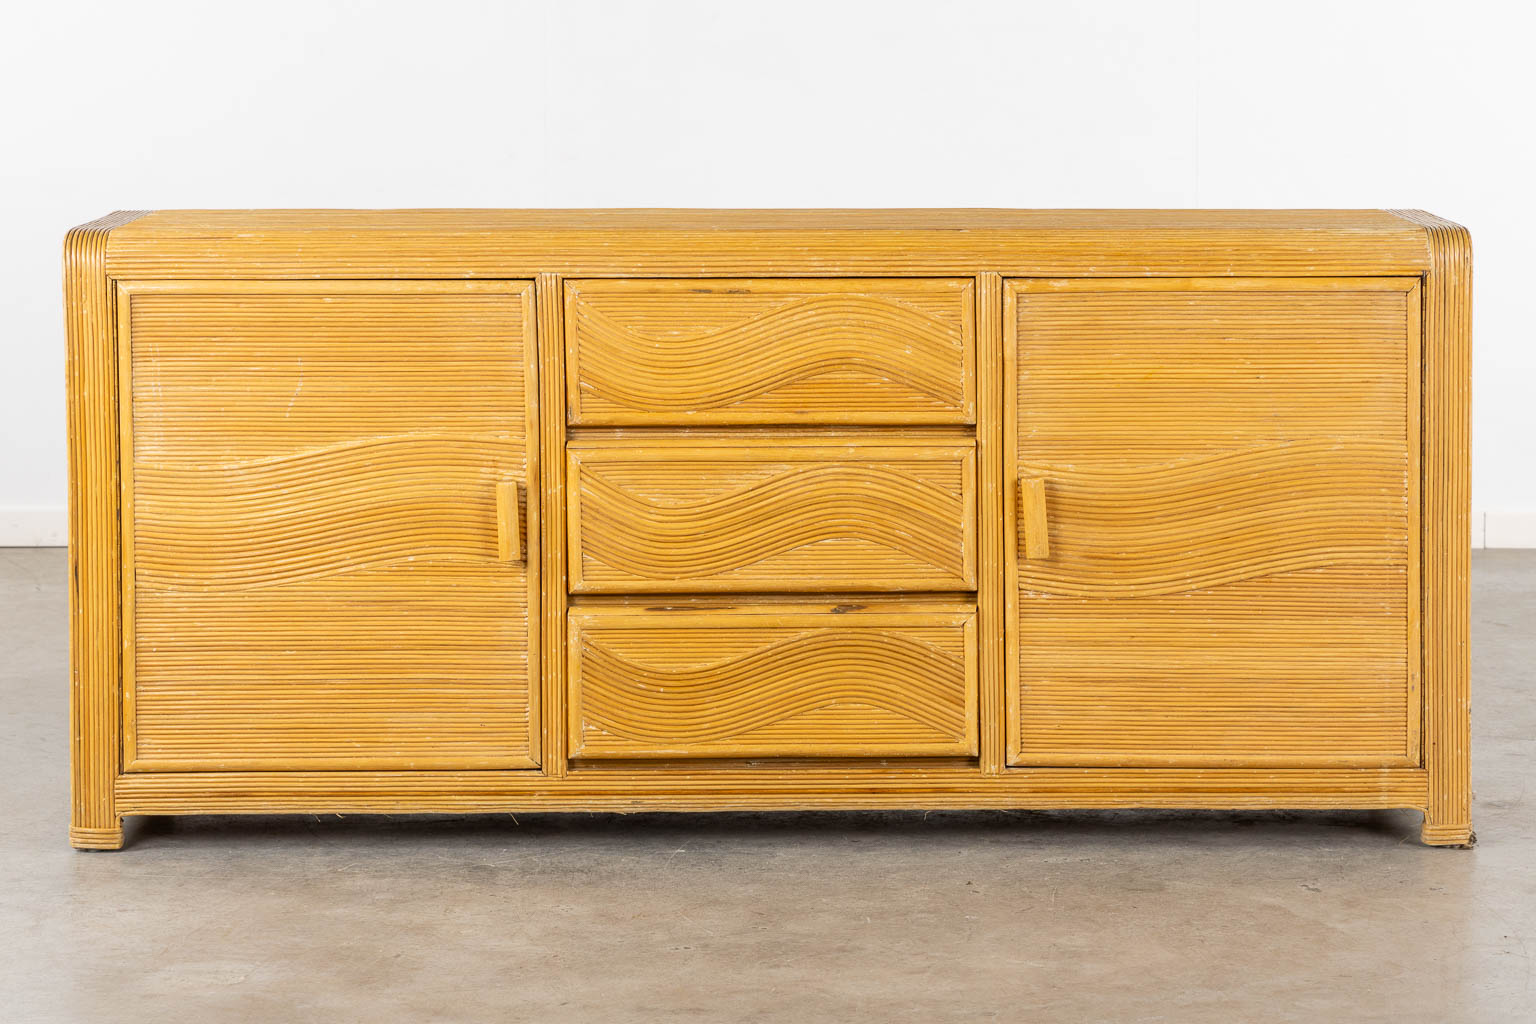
point(917, 526)
point(789, 353)
point(797, 341)
point(322, 512)
point(917, 691)
point(1198, 523)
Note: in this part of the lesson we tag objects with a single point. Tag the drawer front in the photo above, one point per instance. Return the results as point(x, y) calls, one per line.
point(796, 351)
point(771, 680)
point(759, 514)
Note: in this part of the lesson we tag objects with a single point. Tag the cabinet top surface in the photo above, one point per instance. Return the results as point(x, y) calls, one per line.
point(221, 221)
point(687, 242)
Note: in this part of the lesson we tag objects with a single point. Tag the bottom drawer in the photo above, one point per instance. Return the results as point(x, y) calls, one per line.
point(868, 679)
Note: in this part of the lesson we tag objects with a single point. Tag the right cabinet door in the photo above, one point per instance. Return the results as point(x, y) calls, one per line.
point(1214, 519)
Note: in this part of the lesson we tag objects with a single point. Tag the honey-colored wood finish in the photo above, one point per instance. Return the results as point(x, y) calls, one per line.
point(551, 505)
point(95, 553)
point(1034, 523)
point(894, 679)
point(770, 513)
point(712, 510)
point(766, 243)
point(991, 600)
point(1446, 532)
point(317, 517)
point(769, 351)
point(746, 786)
point(509, 522)
point(1229, 466)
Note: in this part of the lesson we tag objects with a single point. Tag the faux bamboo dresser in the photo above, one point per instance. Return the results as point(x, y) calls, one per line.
point(697, 510)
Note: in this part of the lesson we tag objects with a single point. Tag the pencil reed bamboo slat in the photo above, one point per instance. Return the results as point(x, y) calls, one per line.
point(991, 597)
point(550, 508)
point(95, 557)
point(736, 786)
point(1447, 542)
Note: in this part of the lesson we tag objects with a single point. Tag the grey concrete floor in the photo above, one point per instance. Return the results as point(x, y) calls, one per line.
point(820, 917)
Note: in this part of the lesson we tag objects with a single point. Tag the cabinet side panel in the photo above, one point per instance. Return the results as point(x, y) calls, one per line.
point(94, 555)
point(1446, 535)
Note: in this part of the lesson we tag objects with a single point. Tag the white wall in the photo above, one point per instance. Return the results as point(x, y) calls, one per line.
point(325, 103)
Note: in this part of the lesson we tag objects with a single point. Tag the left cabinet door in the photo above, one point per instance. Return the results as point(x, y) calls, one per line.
point(330, 555)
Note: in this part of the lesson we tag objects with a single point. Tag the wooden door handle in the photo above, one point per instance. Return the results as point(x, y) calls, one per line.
point(509, 531)
point(1033, 524)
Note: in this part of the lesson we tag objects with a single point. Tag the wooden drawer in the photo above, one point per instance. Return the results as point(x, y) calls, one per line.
point(885, 679)
point(775, 351)
point(770, 514)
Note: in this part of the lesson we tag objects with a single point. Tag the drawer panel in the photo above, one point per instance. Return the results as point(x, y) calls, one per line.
point(770, 514)
point(773, 680)
point(770, 351)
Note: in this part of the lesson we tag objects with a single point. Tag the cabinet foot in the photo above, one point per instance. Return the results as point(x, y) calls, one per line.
point(96, 838)
point(1437, 834)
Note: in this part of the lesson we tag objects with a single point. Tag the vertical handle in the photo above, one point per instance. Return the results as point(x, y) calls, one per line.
point(1032, 518)
point(509, 532)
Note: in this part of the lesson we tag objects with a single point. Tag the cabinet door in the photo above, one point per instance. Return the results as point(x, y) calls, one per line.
point(330, 558)
point(1214, 522)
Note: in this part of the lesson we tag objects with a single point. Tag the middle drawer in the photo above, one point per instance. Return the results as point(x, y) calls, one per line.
point(770, 513)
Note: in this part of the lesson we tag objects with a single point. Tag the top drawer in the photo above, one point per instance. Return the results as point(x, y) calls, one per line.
point(721, 352)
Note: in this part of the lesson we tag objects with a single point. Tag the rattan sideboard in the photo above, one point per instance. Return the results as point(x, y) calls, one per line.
point(390, 511)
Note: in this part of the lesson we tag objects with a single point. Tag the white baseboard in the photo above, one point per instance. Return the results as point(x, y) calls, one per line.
point(33, 526)
point(46, 526)
point(1504, 528)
